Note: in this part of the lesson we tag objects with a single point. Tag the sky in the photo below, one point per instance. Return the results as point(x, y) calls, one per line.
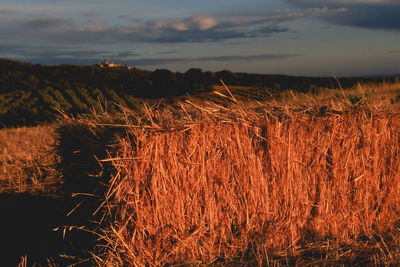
point(295, 37)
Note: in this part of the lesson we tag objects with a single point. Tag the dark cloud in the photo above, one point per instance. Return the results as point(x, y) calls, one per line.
point(359, 13)
point(164, 61)
point(55, 55)
point(216, 35)
point(377, 17)
point(125, 54)
point(53, 38)
point(47, 23)
point(199, 28)
point(274, 18)
point(247, 57)
point(168, 52)
point(130, 18)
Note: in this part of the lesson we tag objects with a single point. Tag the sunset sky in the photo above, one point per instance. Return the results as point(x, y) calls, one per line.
point(298, 37)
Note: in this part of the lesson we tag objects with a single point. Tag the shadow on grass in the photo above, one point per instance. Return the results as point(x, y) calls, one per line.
point(33, 226)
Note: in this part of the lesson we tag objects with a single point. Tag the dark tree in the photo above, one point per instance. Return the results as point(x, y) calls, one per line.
point(226, 76)
point(194, 76)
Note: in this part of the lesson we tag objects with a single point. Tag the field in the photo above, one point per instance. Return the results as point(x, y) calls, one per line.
point(27, 162)
point(298, 179)
point(372, 93)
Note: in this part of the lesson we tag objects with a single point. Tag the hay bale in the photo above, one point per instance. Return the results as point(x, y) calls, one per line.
point(239, 184)
point(205, 182)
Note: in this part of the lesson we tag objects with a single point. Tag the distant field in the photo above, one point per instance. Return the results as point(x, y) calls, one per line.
point(21, 107)
point(297, 179)
point(385, 93)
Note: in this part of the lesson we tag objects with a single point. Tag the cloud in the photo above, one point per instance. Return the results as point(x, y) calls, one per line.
point(275, 18)
point(41, 29)
point(194, 23)
point(201, 28)
point(54, 54)
point(168, 52)
point(97, 25)
point(124, 55)
point(247, 57)
point(203, 23)
point(372, 14)
point(48, 23)
point(55, 37)
point(177, 60)
point(341, 2)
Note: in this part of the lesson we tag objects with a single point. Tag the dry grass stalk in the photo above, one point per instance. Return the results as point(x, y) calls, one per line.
point(23, 262)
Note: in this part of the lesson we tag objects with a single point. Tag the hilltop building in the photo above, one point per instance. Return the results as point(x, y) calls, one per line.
point(107, 64)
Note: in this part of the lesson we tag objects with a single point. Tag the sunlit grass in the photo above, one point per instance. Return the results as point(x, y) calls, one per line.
point(27, 160)
point(304, 179)
point(260, 184)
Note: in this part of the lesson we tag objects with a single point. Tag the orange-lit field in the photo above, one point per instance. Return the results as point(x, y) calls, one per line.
point(226, 184)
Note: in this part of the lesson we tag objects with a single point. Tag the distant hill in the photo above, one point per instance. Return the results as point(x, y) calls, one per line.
point(33, 93)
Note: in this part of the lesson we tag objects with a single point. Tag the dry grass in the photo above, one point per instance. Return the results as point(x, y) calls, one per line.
point(309, 182)
point(27, 161)
point(380, 94)
point(267, 185)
